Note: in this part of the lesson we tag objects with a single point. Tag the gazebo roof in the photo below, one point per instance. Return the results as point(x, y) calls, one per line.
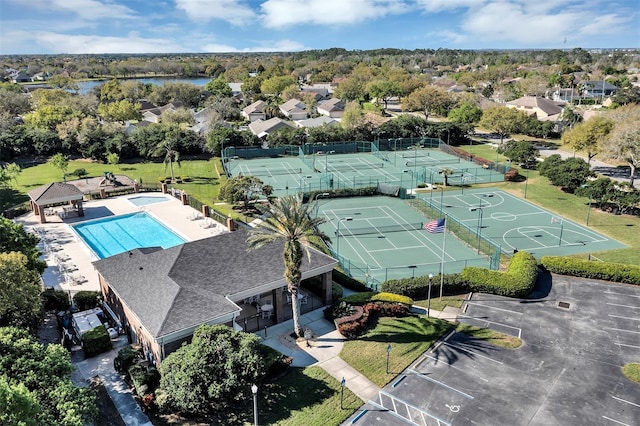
point(55, 192)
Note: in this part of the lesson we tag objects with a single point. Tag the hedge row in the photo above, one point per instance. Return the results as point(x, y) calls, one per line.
point(417, 288)
point(517, 281)
point(96, 341)
point(347, 282)
point(143, 381)
point(629, 274)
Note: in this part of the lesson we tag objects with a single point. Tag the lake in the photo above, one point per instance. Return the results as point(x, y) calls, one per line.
point(86, 86)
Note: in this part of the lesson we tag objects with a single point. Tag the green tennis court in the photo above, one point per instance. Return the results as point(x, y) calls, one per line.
point(381, 238)
point(515, 224)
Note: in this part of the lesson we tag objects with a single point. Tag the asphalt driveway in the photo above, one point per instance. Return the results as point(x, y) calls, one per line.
point(568, 371)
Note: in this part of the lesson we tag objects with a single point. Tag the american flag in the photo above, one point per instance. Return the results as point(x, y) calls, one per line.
point(435, 226)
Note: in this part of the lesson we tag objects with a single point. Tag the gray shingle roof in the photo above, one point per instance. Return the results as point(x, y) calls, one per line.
point(55, 192)
point(184, 286)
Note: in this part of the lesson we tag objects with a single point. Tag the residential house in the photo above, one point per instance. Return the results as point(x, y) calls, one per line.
point(160, 296)
point(262, 128)
point(597, 89)
point(320, 91)
point(541, 108)
point(255, 111)
point(153, 115)
point(333, 108)
point(294, 109)
point(323, 120)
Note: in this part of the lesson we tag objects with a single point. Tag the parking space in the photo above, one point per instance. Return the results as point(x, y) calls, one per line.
point(577, 335)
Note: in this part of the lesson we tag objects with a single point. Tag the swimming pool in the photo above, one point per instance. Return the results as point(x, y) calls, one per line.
point(117, 234)
point(145, 200)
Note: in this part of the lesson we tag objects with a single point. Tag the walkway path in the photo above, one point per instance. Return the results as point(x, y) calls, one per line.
point(324, 349)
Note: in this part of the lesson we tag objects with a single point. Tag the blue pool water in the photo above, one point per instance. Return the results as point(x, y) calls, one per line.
point(117, 234)
point(145, 200)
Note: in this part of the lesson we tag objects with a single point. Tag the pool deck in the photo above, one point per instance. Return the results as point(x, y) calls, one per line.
point(61, 240)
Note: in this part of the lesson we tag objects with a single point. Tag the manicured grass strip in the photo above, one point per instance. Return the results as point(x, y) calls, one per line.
point(632, 372)
point(439, 305)
point(409, 338)
point(308, 396)
point(490, 336)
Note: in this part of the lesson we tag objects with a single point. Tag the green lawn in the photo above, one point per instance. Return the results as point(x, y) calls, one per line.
point(439, 305)
point(490, 336)
point(409, 338)
point(632, 372)
point(308, 396)
point(206, 178)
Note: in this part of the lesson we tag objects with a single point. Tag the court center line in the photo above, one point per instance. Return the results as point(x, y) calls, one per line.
point(624, 400)
point(615, 421)
point(493, 307)
point(620, 316)
point(624, 306)
point(472, 353)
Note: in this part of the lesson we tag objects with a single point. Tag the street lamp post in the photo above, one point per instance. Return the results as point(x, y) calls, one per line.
point(342, 383)
point(254, 391)
point(479, 210)
point(344, 219)
point(388, 353)
point(429, 296)
point(320, 195)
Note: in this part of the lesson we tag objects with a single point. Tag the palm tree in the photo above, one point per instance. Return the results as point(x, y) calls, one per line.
point(446, 172)
point(292, 221)
point(167, 147)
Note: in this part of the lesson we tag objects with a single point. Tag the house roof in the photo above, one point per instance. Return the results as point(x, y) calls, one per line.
point(292, 105)
point(262, 128)
point(599, 85)
point(317, 122)
point(547, 106)
point(55, 192)
point(333, 104)
point(256, 107)
point(182, 287)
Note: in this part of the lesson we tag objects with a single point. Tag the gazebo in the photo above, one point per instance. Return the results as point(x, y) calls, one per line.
point(56, 193)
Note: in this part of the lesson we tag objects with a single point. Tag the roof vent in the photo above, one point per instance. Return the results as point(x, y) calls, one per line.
point(565, 305)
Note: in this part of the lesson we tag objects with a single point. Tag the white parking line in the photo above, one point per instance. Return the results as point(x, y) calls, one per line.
point(621, 294)
point(493, 322)
point(615, 421)
point(473, 353)
point(453, 366)
point(628, 346)
point(624, 400)
point(622, 329)
point(423, 376)
point(493, 307)
point(624, 306)
point(619, 316)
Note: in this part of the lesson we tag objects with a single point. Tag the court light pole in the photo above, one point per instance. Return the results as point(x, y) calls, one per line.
point(479, 210)
point(254, 391)
point(344, 219)
point(526, 182)
point(429, 296)
point(320, 195)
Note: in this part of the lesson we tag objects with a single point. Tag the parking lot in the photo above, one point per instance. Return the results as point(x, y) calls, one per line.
point(577, 335)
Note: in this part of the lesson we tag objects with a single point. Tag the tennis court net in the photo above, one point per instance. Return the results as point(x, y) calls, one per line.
point(415, 155)
point(364, 230)
point(431, 162)
point(272, 172)
point(353, 166)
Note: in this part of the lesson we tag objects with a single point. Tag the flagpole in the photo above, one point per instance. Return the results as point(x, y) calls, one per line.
point(444, 243)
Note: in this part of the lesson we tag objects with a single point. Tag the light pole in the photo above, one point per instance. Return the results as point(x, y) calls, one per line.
point(342, 383)
point(409, 171)
point(254, 391)
point(441, 196)
point(479, 210)
point(388, 353)
point(526, 182)
point(320, 195)
point(429, 296)
point(344, 219)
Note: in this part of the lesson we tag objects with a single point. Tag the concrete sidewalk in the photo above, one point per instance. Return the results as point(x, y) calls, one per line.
point(325, 347)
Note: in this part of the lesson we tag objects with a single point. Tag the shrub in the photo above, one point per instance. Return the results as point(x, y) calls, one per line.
point(96, 341)
point(417, 288)
point(391, 297)
point(84, 300)
point(348, 282)
point(511, 175)
point(336, 291)
point(55, 300)
point(517, 281)
point(125, 359)
point(359, 298)
point(628, 274)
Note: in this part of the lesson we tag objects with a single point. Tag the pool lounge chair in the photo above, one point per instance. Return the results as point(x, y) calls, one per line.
point(75, 279)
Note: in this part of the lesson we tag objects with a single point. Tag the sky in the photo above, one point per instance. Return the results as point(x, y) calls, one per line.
point(215, 26)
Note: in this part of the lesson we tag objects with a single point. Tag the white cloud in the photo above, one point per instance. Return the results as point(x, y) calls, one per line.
point(232, 11)
point(132, 43)
point(263, 46)
point(91, 10)
point(447, 5)
point(285, 13)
